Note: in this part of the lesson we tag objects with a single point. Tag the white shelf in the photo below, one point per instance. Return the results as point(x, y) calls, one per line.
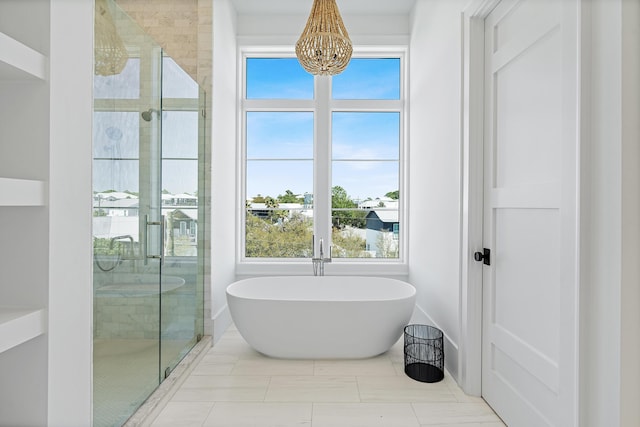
point(20, 325)
point(22, 192)
point(18, 61)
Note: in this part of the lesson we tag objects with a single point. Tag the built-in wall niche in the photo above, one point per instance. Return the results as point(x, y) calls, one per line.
point(24, 157)
point(24, 218)
point(23, 390)
point(24, 114)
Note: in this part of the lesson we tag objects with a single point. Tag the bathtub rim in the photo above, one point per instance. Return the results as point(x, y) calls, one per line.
point(363, 297)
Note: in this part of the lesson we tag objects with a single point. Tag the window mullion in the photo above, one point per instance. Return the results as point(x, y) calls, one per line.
point(322, 163)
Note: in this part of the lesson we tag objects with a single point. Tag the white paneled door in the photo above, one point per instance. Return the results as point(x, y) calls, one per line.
point(530, 217)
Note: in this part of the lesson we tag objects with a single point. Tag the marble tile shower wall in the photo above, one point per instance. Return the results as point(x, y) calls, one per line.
point(126, 318)
point(138, 316)
point(183, 29)
point(112, 314)
point(127, 314)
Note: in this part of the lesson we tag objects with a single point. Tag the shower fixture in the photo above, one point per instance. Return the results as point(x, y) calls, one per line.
point(148, 115)
point(113, 133)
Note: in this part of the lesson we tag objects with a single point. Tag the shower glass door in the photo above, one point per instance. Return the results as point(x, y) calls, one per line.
point(147, 222)
point(183, 131)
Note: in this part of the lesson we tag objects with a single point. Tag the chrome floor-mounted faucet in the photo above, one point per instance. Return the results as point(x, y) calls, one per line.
point(318, 262)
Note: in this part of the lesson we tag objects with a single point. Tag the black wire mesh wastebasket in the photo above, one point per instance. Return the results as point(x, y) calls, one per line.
point(423, 353)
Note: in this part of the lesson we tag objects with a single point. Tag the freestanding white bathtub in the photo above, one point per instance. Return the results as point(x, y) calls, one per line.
point(321, 317)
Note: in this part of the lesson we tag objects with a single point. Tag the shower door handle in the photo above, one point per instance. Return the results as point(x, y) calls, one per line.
point(146, 240)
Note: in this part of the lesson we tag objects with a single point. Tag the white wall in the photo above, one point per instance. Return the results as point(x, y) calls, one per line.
point(610, 298)
point(224, 212)
point(434, 157)
point(70, 244)
point(286, 29)
point(435, 166)
point(630, 294)
point(230, 31)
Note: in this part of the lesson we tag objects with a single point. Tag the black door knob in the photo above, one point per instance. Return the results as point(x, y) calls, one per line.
point(484, 256)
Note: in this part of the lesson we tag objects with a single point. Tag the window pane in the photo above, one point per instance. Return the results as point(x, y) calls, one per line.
point(368, 78)
point(279, 135)
point(366, 233)
point(365, 217)
point(366, 181)
point(125, 85)
point(366, 136)
point(382, 233)
point(116, 135)
point(116, 175)
point(176, 83)
point(277, 78)
point(360, 233)
point(279, 209)
point(273, 178)
point(180, 134)
point(180, 177)
point(348, 239)
point(278, 233)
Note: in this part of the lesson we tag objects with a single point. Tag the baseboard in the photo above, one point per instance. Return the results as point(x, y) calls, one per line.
point(450, 348)
point(221, 321)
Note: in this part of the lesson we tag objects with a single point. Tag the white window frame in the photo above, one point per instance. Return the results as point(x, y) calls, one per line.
point(322, 109)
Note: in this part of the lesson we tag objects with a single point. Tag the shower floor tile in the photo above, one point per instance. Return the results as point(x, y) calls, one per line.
point(235, 386)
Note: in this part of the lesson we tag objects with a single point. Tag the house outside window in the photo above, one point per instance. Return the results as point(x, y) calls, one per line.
point(319, 156)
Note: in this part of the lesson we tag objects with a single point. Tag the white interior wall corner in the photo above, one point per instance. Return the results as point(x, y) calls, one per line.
point(70, 244)
point(224, 215)
point(602, 290)
point(435, 169)
point(630, 294)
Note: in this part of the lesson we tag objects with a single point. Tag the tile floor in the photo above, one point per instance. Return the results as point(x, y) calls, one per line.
point(234, 386)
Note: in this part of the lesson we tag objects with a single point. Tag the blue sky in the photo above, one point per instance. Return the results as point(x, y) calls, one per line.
point(365, 146)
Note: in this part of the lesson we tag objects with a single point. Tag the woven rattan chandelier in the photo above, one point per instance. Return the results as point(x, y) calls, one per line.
point(324, 47)
point(110, 53)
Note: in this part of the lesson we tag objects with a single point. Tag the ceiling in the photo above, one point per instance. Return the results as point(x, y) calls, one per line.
point(294, 7)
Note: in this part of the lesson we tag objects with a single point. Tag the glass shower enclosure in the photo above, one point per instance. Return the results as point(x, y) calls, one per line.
point(148, 219)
